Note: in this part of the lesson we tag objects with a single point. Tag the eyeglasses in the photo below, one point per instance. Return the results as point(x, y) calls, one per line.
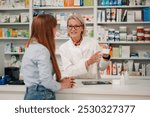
point(76, 27)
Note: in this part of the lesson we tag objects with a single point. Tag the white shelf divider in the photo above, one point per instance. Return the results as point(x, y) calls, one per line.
point(13, 9)
point(13, 38)
point(66, 8)
point(126, 42)
point(119, 58)
point(128, 7)
point(124, 23)
point(14, 53)
point(15, 23)
point(130, 77)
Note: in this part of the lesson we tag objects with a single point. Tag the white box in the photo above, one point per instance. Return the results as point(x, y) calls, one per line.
point(125, 51)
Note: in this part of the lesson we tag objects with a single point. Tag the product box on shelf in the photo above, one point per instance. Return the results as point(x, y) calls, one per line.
point(146, 14)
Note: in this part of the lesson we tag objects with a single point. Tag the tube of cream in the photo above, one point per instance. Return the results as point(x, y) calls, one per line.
point(119, 68)
point(130, 65)
point(136, 65)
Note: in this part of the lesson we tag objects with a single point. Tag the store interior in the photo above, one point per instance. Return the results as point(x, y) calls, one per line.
point(124, 25)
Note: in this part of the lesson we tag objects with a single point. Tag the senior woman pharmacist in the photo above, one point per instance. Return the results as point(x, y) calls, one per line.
point(81, 55)
point(39, 61)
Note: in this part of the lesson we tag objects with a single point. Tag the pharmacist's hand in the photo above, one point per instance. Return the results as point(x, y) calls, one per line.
point(104, 46)
point(94, 58)
point(67, 82)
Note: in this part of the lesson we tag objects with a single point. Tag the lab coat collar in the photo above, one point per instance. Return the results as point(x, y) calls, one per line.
point(82, 42)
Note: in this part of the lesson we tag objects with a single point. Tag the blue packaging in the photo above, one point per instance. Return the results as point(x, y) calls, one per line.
point(119, 2)
point(81, 2)
point(107, 2)
point(114, 2)
point(146, 14)
point(110, 2)
point(103, 3)
point(4, 79)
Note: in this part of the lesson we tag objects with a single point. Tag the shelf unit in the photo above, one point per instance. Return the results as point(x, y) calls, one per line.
point(134, 45)
point(13, 31)
point(86, 10)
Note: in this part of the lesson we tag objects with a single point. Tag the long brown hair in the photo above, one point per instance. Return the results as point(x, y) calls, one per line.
point(43, 31)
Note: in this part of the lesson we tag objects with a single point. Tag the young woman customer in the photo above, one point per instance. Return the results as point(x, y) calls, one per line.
point(39, 62)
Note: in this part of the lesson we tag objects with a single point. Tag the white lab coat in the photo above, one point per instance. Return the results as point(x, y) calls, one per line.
point(74, 57)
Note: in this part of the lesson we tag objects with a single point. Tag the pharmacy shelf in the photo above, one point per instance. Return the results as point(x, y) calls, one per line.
point(123, 23)
point(140, 77)
point(13, 9)
point(130, 77)
point(13, 38)
point(125, 42)
point(59, 8)
point(14, 23)
point(128, 7)
point(14, 53)
point(119, 58)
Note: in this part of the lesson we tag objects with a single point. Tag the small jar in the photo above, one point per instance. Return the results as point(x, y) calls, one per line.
point(146, 30)
point(111, 31)
point(117, 38)
point(117, 33)
point(129, 37)
point(134, 32)
point(140, 29)
point(140, 38)
point(123, 36)
point(134, 38)
point(140, 33)
point(147, 37)
point(111, 37)
point(123, 29)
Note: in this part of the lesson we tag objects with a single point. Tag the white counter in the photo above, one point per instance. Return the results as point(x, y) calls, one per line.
point(132, 89)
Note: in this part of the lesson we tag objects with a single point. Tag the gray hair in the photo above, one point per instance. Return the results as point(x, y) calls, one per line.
point(80, 19)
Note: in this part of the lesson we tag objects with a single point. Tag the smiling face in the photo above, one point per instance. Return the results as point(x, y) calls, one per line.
point(75, 29)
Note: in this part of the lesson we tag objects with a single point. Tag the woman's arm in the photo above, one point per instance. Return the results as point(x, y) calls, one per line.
point(45, 70)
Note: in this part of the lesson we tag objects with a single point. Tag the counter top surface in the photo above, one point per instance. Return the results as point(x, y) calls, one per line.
point(132, 87)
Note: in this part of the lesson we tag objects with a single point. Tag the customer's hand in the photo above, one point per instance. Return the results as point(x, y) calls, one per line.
point(67, 82)
point(93, 59)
